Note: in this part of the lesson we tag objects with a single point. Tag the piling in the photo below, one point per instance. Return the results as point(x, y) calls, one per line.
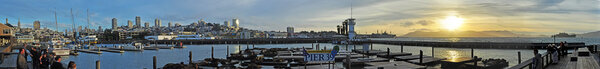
point(348, 61)
point(388, 52)
point(401, 48)
point(371, 46)
point(212, 52)
point(227, 54)
point(519, 56)
point(190, 57)
point(475, 63)
point(154, 62)
point(253, 46)
point(354, 47)
point(346, 47)
point(432, 51)
point(472, 53)
point(97, 64)
point(240, 50)
point(420, 56)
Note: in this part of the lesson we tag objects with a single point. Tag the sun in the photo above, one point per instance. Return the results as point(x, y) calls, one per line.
point(452, 22)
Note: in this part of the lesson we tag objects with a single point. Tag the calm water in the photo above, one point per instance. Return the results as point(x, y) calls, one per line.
point(588, 41)
point(137, 60)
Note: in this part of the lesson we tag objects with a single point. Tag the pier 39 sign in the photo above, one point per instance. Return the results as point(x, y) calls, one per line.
point(321, 55)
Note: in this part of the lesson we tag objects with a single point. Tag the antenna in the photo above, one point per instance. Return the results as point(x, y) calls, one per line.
point(350, 8)
point(55, 20)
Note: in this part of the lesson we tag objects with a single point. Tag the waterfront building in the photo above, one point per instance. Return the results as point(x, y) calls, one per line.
point(114, 24)
point(6, 31)
point(157, 23)
point(290, 32)
point(138, 22)
point(36, 25)
point(129, 24)
point(6, 20)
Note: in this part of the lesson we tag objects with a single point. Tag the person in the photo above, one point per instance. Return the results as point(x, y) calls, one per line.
point(72, 65)
point(57, 64)
point(554, 54)
point(537, 62)
point(22, 60)
point(45, 62)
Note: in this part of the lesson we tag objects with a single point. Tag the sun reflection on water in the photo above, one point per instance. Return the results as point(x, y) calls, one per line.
point(452, 56)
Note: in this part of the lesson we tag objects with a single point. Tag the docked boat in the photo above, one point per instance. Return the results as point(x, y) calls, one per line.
point(129, 47)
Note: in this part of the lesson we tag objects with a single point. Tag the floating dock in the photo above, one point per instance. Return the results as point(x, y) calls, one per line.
point(88, 51)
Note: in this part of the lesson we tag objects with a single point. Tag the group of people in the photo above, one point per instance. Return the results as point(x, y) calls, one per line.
point(554, 50)
point(41, 59)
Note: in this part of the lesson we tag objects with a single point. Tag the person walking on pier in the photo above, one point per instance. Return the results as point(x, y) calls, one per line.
point(57, 64)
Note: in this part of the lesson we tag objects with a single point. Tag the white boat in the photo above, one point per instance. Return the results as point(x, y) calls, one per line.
point(129, 47)
point(88, 39)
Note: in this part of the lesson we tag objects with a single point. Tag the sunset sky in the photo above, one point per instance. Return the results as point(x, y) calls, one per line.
point(534, 17)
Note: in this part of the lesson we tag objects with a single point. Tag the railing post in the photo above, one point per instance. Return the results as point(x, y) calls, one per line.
point(519, 55)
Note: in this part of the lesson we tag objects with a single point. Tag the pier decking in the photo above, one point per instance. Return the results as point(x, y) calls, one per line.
point(580, 58)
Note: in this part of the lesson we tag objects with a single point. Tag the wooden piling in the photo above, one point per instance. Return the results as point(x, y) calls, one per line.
point(420, 56)
point(388, 52)
point(472, 56)
point(348, 61)
point(97, 64)
point(401, 48)
point(432, 52)
point(212, 52)
point(154, 62)
point(227, 54)
point(190, 57)
point(519, 56)
point(371, 46)
point(475, 63)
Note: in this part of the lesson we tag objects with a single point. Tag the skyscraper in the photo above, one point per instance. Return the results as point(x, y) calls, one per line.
point(226, 23)
point(146, 24)
point(157, 23)
point(129, 24)
point(36, 25)
point(169, 24)
point(100, 29)
point(236, 23)
point(19, 24)
point(114, 24)
point(138, 23)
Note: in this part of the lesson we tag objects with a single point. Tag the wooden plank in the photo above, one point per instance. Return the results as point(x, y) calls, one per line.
point(587, 63)
point(10, 62)
point(425, 60)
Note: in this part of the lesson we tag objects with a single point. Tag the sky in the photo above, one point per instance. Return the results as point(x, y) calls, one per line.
point(535, 17)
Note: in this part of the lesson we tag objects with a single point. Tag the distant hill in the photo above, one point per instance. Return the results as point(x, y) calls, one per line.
point(590, 34)
point(465, 34)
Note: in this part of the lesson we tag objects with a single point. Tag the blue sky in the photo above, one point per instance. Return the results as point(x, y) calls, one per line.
point(398, 16)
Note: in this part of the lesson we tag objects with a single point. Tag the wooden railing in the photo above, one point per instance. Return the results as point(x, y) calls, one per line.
point(546, 60)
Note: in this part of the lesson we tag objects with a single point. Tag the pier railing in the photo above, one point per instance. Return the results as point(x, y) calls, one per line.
point(546, 59)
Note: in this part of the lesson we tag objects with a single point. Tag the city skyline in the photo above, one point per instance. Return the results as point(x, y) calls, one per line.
point(399, 17)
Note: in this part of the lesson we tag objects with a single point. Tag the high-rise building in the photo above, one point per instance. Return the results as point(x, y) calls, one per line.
point(226, 23)
point(290, 32)
point(157, 23)
point(236, 23)
point(169, 24)
point(100, 29)
point(114, 24)
point(138, 23)
point(19, 24)
point(36, 25)
point(146, 24)
point(129, 24)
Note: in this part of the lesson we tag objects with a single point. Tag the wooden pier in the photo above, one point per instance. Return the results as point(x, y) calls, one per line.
point(580, 58)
